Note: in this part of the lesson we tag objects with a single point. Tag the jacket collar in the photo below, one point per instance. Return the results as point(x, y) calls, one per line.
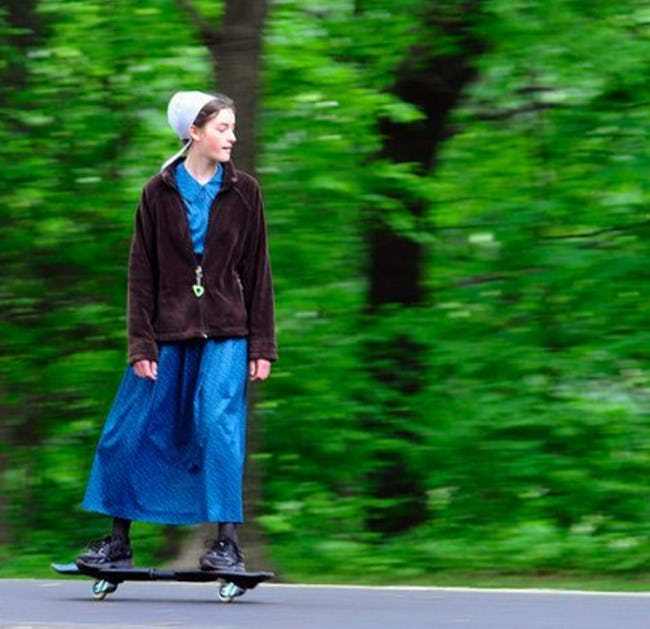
point(229, 174)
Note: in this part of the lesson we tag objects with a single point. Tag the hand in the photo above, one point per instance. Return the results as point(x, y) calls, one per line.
point(146, 369)
point(259, 369)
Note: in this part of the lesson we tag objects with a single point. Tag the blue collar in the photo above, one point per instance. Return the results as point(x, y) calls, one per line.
point(191, 188)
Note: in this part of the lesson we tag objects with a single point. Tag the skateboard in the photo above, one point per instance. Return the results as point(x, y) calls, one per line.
point(232, 584)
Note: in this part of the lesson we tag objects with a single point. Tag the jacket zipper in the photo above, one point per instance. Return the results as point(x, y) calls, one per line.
point(199, 274)
point(241, 286)
point(199, 268)
point(198, 287)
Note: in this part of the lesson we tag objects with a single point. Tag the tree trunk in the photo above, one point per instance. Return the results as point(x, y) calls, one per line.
point(236, 53)
point(434, 84)
point(30, 31)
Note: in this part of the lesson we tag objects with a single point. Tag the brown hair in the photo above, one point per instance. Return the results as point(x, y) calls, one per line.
point(211, 109)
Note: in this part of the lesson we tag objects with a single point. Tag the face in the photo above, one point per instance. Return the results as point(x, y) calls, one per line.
point(217, 137)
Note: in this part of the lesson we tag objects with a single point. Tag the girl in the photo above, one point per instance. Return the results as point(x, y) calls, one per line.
point(200, 319)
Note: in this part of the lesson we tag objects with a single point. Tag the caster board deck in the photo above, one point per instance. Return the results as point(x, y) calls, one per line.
point(233, 584)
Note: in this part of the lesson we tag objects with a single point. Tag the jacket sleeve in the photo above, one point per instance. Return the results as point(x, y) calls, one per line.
point(255, 272)
point(142, 286)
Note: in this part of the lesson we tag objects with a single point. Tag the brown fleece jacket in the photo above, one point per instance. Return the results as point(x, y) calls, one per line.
point(165, 301)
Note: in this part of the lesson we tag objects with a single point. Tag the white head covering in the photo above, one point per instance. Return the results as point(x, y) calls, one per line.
point(182, 111)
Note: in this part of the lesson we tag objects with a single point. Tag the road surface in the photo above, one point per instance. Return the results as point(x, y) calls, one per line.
point(58, 603)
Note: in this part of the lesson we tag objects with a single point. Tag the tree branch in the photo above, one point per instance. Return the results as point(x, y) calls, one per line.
point(209, 34)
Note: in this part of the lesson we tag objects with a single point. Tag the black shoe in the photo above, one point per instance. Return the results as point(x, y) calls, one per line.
point(223, 555)
point(107, 553)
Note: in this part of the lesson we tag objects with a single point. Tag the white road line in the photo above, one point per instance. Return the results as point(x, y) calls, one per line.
point(399, 588)
point(433, 588)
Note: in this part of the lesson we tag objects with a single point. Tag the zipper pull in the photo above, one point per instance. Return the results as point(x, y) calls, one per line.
point(198, 286)
point(241, 286)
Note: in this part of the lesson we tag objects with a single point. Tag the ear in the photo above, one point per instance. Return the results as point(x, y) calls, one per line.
point(195, 133)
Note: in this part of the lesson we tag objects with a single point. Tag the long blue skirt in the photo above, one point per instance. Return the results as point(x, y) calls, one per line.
point(172, 450)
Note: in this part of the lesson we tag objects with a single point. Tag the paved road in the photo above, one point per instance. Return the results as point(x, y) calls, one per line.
point(61, 604)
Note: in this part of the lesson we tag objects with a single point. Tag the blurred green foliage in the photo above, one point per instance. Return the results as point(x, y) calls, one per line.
point(531, 431)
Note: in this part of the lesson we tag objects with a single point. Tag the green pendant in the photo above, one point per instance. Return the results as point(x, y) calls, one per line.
point(198, 289)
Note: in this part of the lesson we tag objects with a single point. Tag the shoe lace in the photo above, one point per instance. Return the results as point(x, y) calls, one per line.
point(220, 545)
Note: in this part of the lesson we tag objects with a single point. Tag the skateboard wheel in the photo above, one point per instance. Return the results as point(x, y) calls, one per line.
point(102, 588)
point(229, 591)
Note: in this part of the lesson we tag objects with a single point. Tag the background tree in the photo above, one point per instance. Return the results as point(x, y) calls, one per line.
point(431, 78)
point(235, 48)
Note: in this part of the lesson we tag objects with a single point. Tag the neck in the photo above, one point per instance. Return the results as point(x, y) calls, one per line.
point(200, 167)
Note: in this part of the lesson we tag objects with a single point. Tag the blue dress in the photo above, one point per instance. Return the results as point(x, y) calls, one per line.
point(172, 450)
